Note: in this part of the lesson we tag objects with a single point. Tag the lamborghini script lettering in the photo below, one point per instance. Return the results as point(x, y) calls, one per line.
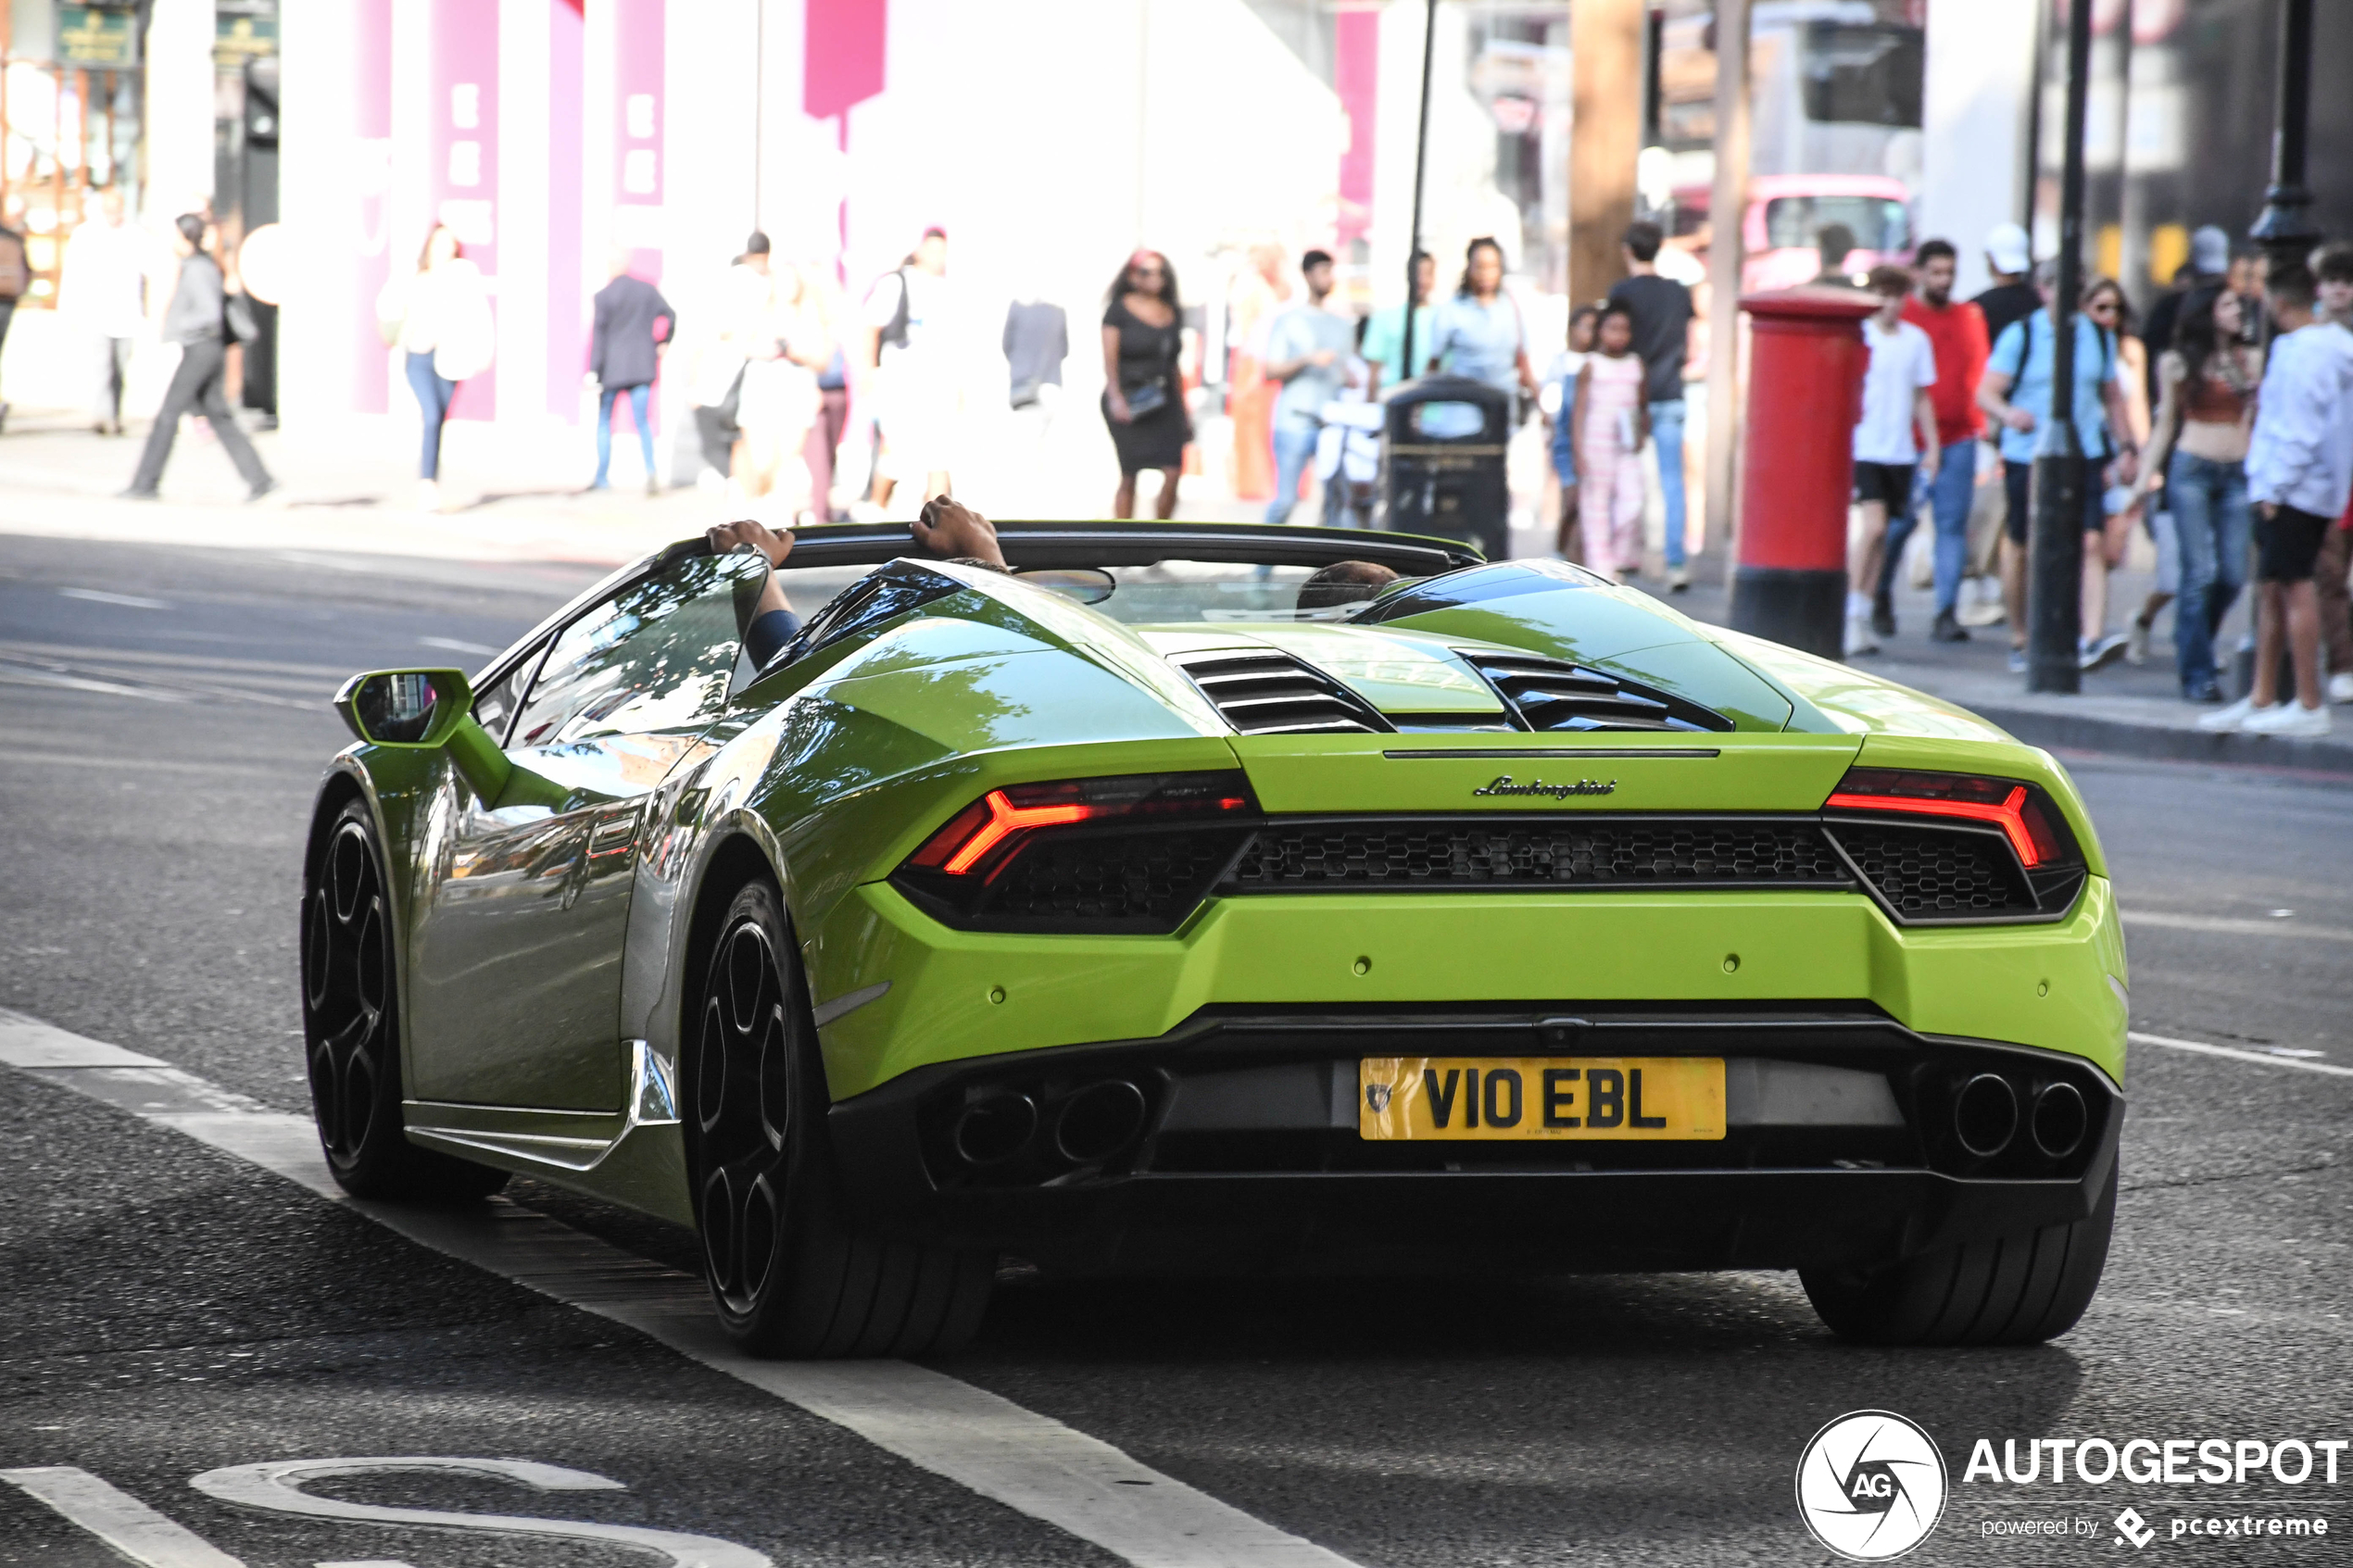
point(1504, 785)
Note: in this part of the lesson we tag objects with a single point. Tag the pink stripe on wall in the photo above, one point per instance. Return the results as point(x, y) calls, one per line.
point(567, 319)
point(639, 175)
point(462, 144)
point(1357, 80)
point(371, 240)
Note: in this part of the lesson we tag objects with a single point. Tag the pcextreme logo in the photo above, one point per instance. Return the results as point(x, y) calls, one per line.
point(1870, 1486)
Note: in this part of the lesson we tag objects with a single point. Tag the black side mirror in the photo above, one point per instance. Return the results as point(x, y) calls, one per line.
point(419, 708)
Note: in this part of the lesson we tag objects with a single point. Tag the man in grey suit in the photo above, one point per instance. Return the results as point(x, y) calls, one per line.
point(634, 325)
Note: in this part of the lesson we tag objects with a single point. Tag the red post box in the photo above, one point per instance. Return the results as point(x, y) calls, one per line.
point(1806, 361)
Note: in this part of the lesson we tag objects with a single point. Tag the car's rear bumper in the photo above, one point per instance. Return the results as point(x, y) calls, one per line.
point(1247, 1156)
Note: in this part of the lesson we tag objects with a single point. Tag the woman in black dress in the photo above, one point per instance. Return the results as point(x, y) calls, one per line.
point(1143, 395)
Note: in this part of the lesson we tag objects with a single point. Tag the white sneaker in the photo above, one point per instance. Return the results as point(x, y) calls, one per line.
point(1859, 639)
point(2223, 721)
point(1981, 602)
point(2288, 718)
point(2341, 686)
point(2136, 643)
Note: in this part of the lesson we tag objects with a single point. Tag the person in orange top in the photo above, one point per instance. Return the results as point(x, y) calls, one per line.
point(1257, 297)
point(1956, 334)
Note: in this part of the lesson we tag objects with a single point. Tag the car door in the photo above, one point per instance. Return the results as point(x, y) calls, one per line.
point(515, 962)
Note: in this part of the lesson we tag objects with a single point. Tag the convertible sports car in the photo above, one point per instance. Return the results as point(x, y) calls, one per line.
point(1195, 898)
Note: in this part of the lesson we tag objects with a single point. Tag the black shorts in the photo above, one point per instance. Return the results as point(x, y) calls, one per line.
point(2018, 483)
point(1890, 483)
point(2287, 544)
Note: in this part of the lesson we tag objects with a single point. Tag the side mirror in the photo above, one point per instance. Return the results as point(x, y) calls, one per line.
point(418, 708)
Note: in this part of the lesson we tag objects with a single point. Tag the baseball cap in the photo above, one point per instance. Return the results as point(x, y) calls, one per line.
point(2210, 251)
point(2005, 246)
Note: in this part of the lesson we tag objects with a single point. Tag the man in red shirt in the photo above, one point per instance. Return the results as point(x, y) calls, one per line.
point(1957, 333)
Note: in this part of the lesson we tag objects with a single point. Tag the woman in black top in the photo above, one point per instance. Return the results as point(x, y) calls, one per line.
point(1143, 397)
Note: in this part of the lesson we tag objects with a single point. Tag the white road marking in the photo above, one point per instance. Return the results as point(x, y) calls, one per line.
point(12, 675)
point(456, 646)
point(2279, 925)
point(2261, 1059)
point(100, 597)
point(276, 1487)
point(119, 1519)
point(1027, 1461)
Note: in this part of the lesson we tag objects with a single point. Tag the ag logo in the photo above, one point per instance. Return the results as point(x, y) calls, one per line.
point(1870, 1486)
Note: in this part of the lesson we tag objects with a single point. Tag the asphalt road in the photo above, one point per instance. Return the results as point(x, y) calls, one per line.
point(166, 1309)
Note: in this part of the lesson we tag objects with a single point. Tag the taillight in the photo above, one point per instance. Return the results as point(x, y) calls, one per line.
point(2023, 811)
point(985, 834)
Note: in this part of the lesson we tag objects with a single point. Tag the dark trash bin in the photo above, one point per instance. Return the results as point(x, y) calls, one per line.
point(1442, 445)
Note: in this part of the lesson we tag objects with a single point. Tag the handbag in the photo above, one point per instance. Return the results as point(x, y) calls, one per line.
point(1148, 398)
point(236, 317)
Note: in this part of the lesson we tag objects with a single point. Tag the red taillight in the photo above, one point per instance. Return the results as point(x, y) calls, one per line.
point(971, 840)
point(2018, 810)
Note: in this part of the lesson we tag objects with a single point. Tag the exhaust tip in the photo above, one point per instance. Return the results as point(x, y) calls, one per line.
point(2060, 1120)
point(991, 1131)
point(1100, 1120)
point(1985, 1114)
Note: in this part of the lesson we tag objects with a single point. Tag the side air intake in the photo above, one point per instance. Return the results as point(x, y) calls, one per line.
point(1264, 693)
point(1548, 694)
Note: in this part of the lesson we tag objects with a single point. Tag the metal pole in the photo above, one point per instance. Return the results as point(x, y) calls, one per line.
point(2031, 185)
point(2055, 544)
point(2285, 227)
point(759, 99)
point(1727, 211)
point(1421, 161)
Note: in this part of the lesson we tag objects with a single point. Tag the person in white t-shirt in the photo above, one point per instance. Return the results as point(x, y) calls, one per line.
point(103, 293)
point(1896, 433)
point(911, 385)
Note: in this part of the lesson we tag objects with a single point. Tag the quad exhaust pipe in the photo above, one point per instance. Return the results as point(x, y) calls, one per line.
point(1096, 1122)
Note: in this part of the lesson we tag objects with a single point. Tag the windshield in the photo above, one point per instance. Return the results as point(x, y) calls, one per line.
point(1164, 592)
point(1875, 222)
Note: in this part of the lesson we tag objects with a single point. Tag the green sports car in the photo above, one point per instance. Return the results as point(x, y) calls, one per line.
point(1209, 898)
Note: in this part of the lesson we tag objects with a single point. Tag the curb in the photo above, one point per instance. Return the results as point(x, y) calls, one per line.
point(2166, 744)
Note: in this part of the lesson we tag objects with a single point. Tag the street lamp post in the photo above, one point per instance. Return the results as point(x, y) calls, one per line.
point(2286, 228)
point(2055, 545)
point(1421, 157)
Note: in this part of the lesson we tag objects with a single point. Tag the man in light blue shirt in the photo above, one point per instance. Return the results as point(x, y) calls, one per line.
point(2016, 395)
point(1307, 350)
point(1385, 333)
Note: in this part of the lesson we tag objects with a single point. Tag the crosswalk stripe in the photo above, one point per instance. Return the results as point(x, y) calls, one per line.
point(119, 1519)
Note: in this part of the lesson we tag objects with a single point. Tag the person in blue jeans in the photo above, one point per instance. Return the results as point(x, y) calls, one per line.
point(1307, 350)
point(1661, 312)
point(634, 324)
point(2206, 410)
point(1956, 332)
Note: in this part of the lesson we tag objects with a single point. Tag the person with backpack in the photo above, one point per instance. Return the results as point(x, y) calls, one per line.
point(2016, 395)
point(200, 318)
point(16, 276)
point(909, 350)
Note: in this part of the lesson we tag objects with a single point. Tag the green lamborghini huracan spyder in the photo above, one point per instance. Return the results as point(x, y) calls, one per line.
point(1208, 899)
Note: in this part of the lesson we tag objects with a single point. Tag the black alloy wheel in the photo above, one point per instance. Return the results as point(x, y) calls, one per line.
point(789, 1275)
point(351, 1027)
point(2017, 1289)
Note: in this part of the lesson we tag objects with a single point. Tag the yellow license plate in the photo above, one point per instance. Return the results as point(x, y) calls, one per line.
point(1540, 1096)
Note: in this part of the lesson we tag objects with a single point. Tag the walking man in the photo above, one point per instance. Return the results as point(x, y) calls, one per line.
point(102, 291)
point(634, 324)
point(2299, 476)
point(194, 322)
point(1896, 433)
point(1661, 312)
point(908, 362)
point(1384, 345)
point(1957, 333)
point(1307, 352)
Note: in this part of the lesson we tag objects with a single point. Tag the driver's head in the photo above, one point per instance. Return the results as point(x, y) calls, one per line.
point(1344, 582)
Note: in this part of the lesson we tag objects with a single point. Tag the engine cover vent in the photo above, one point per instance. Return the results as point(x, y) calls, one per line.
point(1549, 694)
point(1270, 692)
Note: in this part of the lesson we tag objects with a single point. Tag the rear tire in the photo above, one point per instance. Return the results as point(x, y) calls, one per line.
point(351, 1027)
point(791, 1274)
point(2019, 1290)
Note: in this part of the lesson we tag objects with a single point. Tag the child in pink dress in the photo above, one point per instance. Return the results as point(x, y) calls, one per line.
point(1612, 424)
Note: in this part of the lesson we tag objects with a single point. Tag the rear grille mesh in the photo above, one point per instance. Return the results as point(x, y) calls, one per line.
point(1548, 694)
point(1293, 858)
point(1932, 873)
point(1264, 693)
